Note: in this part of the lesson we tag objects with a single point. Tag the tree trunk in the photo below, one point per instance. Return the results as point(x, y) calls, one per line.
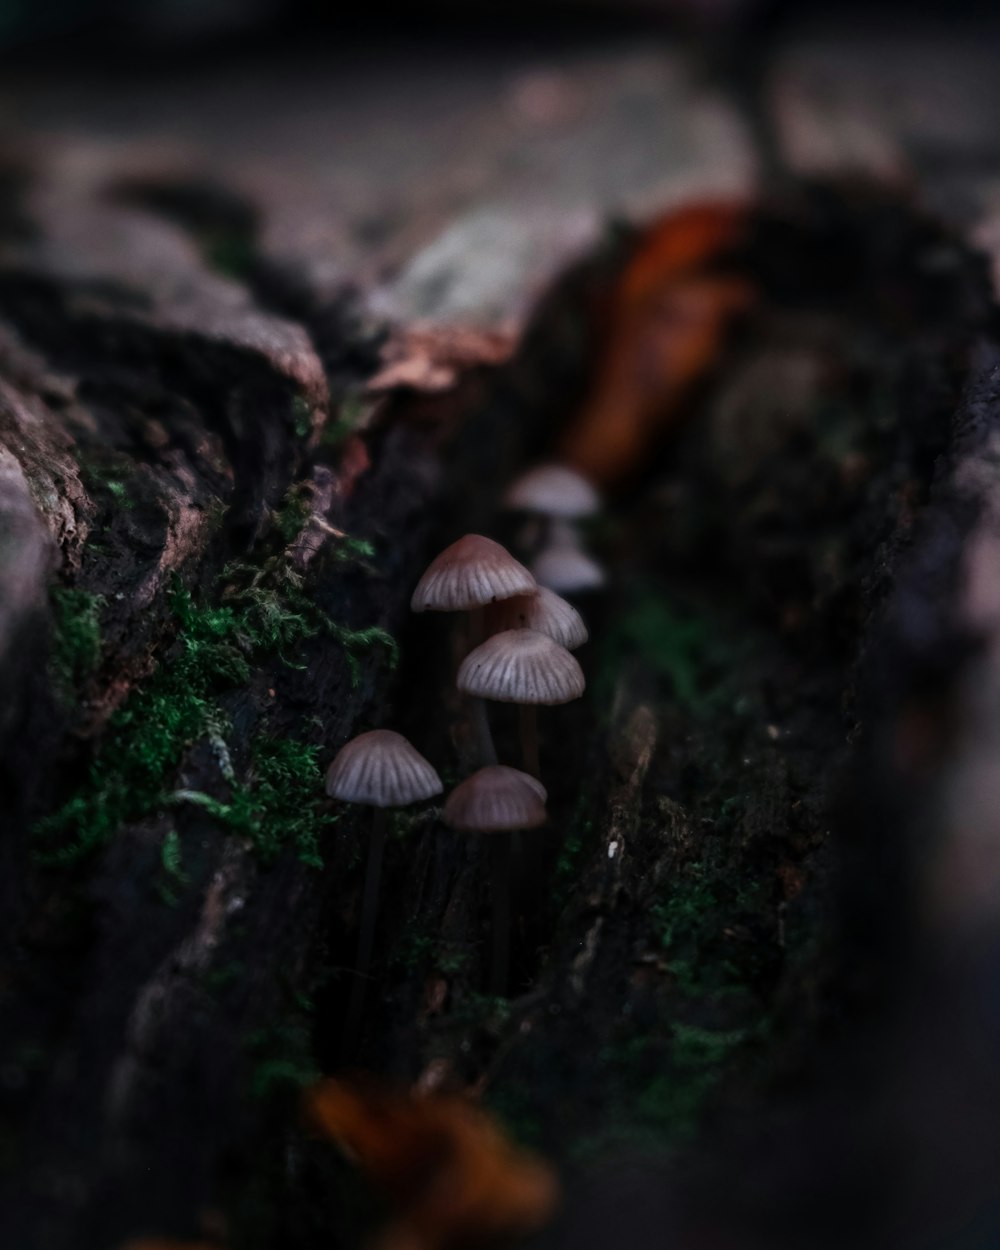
point(769, 865)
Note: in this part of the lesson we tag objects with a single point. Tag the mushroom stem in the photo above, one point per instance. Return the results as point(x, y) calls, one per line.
point(366, 939)
point(475, 627)
point(528, 719)
point(486, 752)
point(482, 748)
point(500, 872)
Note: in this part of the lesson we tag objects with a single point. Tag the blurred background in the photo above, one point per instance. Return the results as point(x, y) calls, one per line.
point(416, 193)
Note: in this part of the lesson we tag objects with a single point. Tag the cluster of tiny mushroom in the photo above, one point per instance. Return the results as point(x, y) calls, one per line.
point(525, 659)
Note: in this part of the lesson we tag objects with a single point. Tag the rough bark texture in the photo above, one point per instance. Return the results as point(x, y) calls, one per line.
point(773, 818)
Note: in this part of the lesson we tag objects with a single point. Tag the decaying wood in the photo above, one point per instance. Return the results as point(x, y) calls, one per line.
point(819, 796)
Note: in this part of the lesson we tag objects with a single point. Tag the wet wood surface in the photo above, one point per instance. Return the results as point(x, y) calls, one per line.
point(266, 345)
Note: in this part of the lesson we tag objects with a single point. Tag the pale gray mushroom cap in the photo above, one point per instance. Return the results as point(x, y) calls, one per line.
point(470, 573)
point(563, 566)
point(554, 490)
point(544, 612)
point(494, 800)
point(521, 666)
point(383, 769)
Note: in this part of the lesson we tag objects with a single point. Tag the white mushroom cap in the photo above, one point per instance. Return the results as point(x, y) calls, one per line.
point(563, 565)
point(554, 490)
point(494, 800)
point(544, 612)
point(383, 769)
point(521, 666)
point(470, 573)
point(567, 570)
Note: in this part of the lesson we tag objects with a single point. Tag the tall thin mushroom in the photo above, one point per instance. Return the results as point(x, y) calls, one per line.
point(555, 490)
point(497, 800)
point(381, 769)
point(465, 577)
point(471, 573)
point(563, 566)
point(524, 667)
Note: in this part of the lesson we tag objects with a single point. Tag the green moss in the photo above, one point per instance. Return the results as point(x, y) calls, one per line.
point(279, 806)
point(657, 1084)
point(302, 416)
point(419, 950)
point(263, 611)
point(572, 851)
point(290, 518)
point(105, 474)
point(676, 643)
point(146, 737)
point(173, 869)
point(686, 919)
point(349, 417)
point(489, 1012)
point(689, 923)
point(283, 1058)
point(215, 512)
point(276, 614)
point(696, 1048)
point(353, 550)
point(671, 1103)
point(415, 950)
point(218, 978)
point(76, 637)
point(119, 492)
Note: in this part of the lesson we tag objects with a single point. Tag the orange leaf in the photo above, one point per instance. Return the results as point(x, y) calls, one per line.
point(683, 242)
point(442, 1162)
point(670, 313)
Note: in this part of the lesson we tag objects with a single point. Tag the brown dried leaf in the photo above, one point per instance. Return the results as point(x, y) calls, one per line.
point(669, 316)
point(431, 358)
point(442, 1162)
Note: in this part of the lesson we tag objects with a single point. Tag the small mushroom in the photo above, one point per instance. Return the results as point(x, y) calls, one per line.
point(553, 493)
point(544, 612)
point(465, 577)
point(563, 565)
point(469, 574)
point(381, 769)
point(554, 490)
point(497, 800)
point(524, 667)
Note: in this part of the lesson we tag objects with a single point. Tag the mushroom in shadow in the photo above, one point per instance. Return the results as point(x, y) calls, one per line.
point(465, 577)
point(381, 769)
point(525, 667)
point(563, 566)
point(497, 800)
point(552, 492)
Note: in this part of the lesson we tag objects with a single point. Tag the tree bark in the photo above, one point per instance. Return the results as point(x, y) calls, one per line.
point(217, 490)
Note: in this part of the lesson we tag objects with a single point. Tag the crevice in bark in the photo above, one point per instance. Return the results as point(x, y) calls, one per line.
point(690, 944)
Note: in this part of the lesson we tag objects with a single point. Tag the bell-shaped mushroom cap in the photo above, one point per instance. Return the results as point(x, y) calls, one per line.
point(472, 572)
point(544, 612)
point(554, 490)
point(567, 570)
point(563, 565)
point(494, 800)
point(383, 769)
point(521, 666)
